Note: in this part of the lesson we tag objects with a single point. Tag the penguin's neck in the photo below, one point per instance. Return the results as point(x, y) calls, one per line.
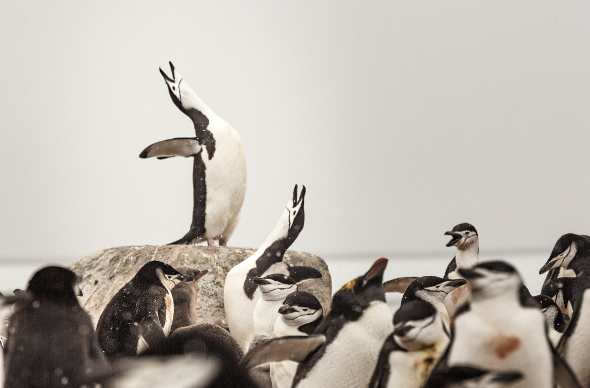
point(468, 257)
point(501, 304)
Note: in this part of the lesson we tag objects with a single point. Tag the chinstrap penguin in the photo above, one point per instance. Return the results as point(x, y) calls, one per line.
point(51, 340)
point(570, 257)
point(565, 291)
point(465, 238)
point(554, 318)
point(219, 168)
point(240, 292)
point(358, 323)
point(502, 328)
point(411, 351)
point(140, 313)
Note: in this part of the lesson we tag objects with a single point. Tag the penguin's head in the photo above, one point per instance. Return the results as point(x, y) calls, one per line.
point(565, 250)
point(463, 236)
point(300, 308)
point(54, 281)
point(468, 376)
point(417, 325)
point(294, 215)
point(181, 93)
point(550, 309)
point(432, 288)
point(275, 286)
point(185, 292)
point(356, 295)
point(156, 272)
point(491, 278)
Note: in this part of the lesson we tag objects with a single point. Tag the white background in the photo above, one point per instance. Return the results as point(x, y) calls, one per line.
point(401, 118)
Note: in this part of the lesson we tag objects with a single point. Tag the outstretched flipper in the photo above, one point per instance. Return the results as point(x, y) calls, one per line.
point(151, 332)
point(398, 284)
point(293, 348)
point(184, 147)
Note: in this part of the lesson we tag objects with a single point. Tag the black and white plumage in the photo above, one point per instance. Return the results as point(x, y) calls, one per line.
point(502, 328)
point(357, 324)
point(554, 318)
point(465, 376)
point(241, 293)
point(465, 238)
point(140, 313)
point(300, 315)
point(219, 169)
point(570, 257)
point(575, 341)
point(565, 291)
point(411, 351)
point(433, 290)
point(51, 340)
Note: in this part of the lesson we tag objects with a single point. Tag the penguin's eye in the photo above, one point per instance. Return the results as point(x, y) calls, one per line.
point(294, 212)
point(173, 87)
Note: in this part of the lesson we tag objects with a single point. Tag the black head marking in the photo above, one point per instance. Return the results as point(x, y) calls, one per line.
point(303, 299)
point(53, 281)
point(464, 227)
point(413, 311)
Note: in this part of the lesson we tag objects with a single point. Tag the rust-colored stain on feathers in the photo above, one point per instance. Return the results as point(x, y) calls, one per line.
point(503, 345)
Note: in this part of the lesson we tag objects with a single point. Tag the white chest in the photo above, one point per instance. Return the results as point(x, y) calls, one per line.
point(350, 359)
point(265, 315)
point(411, 369)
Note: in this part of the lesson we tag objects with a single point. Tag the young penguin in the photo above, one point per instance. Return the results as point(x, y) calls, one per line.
point(433, 290)
point(219, 168)
point(140, 313)
point(554, 318)
point(570, 257)
point(411, 351)
point(185, 295)
point(51, 340)
point(300, 315)
point(464, 376)
point(240, 292)
point(274, 288)
point(574, 343)
point(358, 323)
point(502, 329)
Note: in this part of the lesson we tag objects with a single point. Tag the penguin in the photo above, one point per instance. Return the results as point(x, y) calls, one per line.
point(240, 292)
point(465, 238)
point(51, 340)
point(554, 318)
point(184, 295)
point(464, 376)
point(573, 344)
point(433, 290)
point(565, 290)
point(570, 257)
point(140, 313)
point(219, 167)
point(343, 350)
point(300, 315)
point(274, 289)
point(408, 355)
point(502, 328)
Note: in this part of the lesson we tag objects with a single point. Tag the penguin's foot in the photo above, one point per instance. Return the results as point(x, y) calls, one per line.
point(211, 242)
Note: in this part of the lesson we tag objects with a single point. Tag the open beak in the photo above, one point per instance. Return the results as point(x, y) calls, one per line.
point(456, 238)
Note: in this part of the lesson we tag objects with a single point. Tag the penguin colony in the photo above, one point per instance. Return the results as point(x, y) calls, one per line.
point(476, 326)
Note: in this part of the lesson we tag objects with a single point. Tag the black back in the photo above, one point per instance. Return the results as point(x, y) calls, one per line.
point(51, 340)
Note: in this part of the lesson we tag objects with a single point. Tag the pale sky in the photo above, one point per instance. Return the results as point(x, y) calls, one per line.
point(402, 119)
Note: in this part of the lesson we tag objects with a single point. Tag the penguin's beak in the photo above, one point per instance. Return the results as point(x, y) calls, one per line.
point(456, 238)
point(469, 273)
point(200, 274)
point(182, 278)
point(457, 283)
point(286, 309)
point(301, 196)
point(549, 265)
point(402, 330)
point(260, 281)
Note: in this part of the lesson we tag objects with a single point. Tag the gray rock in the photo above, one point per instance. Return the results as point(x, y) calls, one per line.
point(106, 271)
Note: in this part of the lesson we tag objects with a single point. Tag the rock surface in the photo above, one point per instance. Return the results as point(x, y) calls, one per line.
point(106, 271)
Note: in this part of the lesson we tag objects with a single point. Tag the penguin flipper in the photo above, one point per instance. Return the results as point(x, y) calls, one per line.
point(563, 375)
point(398, 284)
point(184, 147)
point(151, 331)
point(293, 348)
point(303, 272)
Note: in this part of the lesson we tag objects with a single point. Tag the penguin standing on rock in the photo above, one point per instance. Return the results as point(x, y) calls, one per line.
point(219, 169)
point(51, 340)
point(140, 313)
point(241, 293)
point(502, 328)
point(343, 351)
point(418, 340)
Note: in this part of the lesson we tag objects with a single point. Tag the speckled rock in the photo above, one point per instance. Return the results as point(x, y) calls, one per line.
point(106, 271)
